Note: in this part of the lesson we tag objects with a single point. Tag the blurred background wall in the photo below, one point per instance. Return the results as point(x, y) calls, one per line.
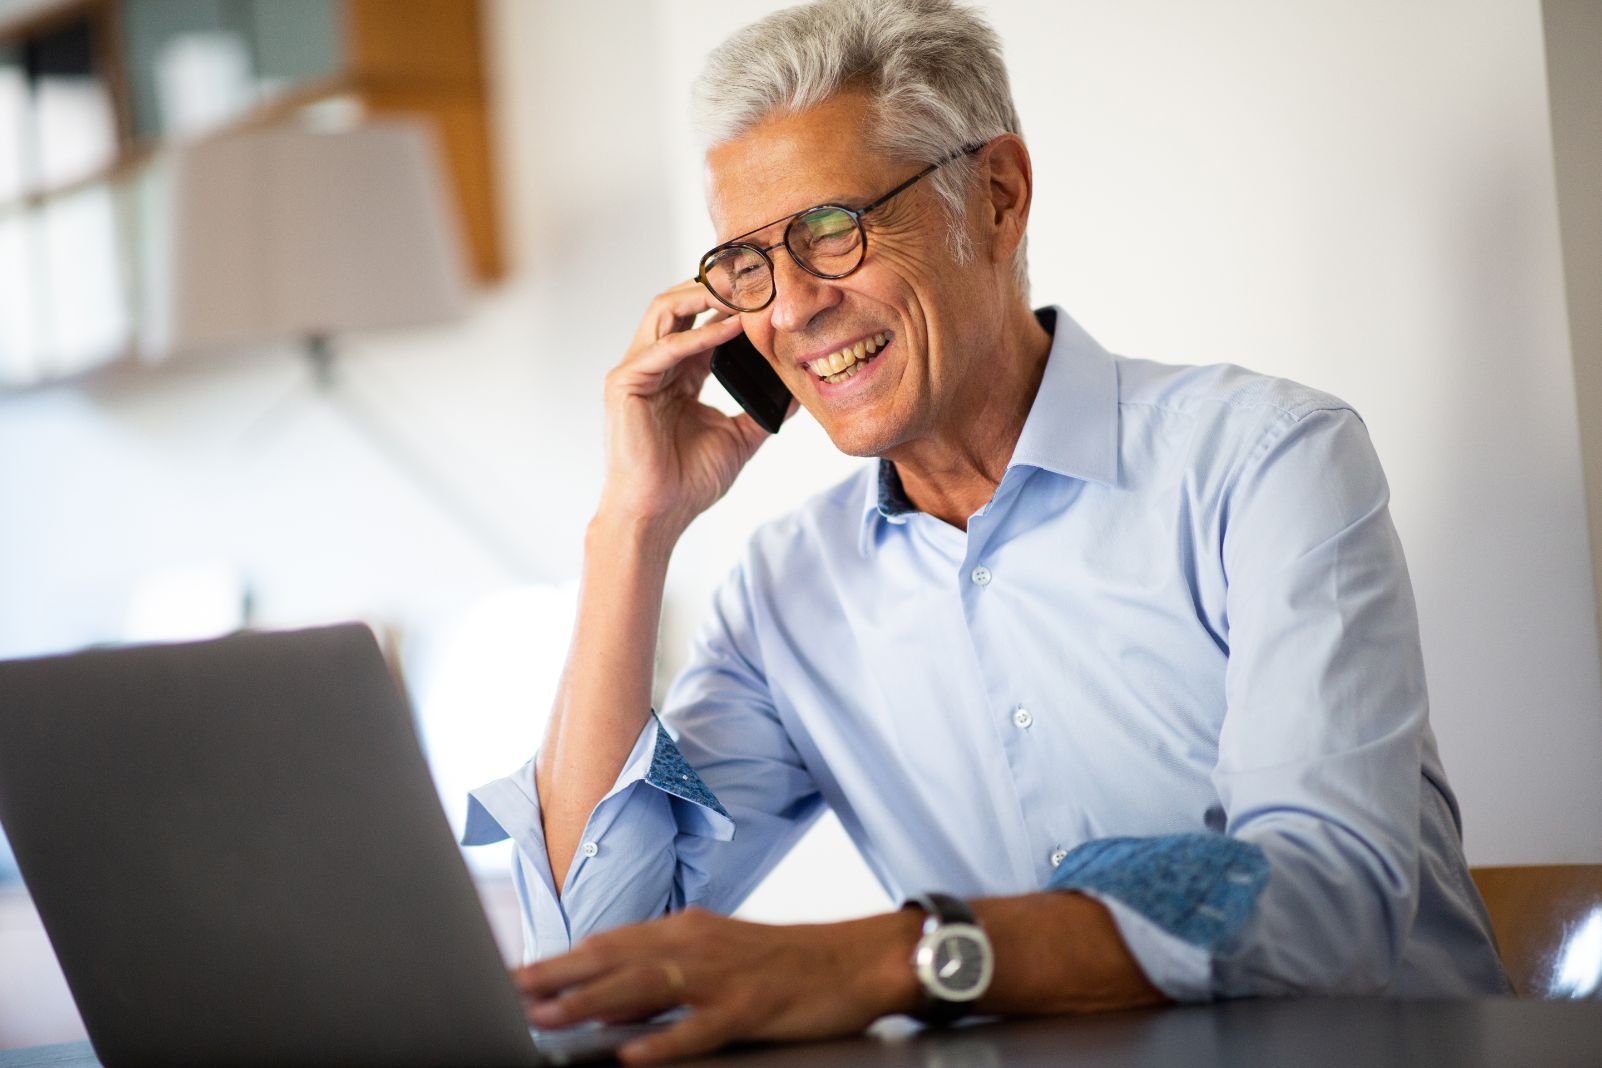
point(1357, 194)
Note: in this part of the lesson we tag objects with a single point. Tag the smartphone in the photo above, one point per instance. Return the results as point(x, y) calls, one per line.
point(748, 377)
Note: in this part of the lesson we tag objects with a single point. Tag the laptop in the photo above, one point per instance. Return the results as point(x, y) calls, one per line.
point(240, 858)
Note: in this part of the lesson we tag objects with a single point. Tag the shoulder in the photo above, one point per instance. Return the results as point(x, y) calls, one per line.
point(1220, 423)
point(1219, 392)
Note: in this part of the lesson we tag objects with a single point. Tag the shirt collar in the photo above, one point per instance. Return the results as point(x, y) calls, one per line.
point(1071, 429)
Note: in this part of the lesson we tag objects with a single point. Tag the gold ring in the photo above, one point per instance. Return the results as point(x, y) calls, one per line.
point(675, 977)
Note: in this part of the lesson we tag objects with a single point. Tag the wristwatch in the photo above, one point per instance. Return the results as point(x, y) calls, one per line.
point(953, 959)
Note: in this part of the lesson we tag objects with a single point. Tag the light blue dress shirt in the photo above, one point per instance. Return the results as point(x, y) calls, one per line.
point(1173, 663)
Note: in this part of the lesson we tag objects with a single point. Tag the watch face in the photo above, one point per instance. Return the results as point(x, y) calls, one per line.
point(954, 962)
point(958, 960)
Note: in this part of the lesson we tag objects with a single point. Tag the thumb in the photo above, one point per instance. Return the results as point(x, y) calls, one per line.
point(750, 433)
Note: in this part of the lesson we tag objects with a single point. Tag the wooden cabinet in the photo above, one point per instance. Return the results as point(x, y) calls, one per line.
point(93, 91)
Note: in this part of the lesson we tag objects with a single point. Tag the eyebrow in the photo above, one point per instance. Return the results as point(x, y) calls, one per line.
point(871, 205)
point(833, 202)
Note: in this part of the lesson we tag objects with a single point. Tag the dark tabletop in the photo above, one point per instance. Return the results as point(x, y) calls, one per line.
point(1307, 1033)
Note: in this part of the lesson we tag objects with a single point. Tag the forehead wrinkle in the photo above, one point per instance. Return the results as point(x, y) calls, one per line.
point(786, 145)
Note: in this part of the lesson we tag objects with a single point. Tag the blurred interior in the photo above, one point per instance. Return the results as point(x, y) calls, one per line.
point(230, 398)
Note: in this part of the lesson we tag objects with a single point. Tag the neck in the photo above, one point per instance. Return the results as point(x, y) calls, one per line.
point(954, 471)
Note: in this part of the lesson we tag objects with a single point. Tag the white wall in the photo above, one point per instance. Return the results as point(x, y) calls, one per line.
point(1360, 195)
point(1353, 193)
point(1574, 73)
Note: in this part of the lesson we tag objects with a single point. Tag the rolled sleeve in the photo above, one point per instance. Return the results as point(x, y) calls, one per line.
point(623, 869)
point(664, 836)
point(1314, 884)
point(1320, 753)
point(1178, 968)
point(1176, 900)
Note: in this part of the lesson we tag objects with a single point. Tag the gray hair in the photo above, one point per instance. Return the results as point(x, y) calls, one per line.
point(933, 70)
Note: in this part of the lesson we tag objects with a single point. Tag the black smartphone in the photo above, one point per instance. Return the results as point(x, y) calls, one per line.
point(745, 373)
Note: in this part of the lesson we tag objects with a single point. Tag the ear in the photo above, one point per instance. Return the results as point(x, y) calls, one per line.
point(1009, 186)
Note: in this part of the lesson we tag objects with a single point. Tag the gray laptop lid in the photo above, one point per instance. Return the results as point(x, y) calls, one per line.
point(239, 857)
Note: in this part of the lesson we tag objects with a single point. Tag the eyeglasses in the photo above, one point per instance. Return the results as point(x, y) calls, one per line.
point(827, 241)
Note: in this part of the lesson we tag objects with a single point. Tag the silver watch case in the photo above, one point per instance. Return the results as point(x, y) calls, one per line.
point(971, 945)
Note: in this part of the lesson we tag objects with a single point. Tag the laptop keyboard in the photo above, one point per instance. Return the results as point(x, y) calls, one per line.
point(589, 1043)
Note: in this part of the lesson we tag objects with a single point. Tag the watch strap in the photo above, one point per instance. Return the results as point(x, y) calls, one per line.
point(940, 910)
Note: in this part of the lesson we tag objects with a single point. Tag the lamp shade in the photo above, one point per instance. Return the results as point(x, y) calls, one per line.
point(291, 232)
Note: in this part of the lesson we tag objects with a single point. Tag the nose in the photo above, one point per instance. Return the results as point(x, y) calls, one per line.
point(798, 297)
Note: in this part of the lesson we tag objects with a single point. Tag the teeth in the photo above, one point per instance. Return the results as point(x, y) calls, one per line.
point(834, 367)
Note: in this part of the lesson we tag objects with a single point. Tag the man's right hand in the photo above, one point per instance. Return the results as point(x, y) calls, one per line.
point(670, 457)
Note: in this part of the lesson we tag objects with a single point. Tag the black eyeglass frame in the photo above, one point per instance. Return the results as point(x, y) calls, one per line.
point(856, 215)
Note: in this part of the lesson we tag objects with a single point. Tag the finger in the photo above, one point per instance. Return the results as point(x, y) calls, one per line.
point(691, 374)
point(700, 1032)
point(719, 313)
point(549, 977)
point(675, 303)
point(752, 435)
point(665, 353)
point(716, 314)
point(673, 310)
point(633, 993)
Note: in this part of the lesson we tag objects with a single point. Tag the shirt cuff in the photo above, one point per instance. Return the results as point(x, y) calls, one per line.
point(1178, 968)
point(509, 807)
point(1177, 899)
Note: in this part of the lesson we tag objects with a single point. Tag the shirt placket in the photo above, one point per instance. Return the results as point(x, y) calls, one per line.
point(982, 582)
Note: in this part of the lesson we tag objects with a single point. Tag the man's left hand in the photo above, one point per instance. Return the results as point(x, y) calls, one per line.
point(740, 980)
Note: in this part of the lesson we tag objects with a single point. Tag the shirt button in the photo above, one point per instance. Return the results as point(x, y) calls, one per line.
point(980, 576)
point(590, 849)
point(1057, 856)
point(1022, 718)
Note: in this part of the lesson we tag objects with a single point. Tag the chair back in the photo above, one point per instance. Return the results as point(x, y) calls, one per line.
point(1548, 924)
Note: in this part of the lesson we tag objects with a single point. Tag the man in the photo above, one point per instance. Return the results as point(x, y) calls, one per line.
point(1121, 657)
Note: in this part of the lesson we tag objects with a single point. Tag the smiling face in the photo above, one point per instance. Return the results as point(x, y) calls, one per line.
point(930, 321)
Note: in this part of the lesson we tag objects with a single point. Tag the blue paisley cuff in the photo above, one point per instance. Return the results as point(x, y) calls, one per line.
point(1198, 887)
point(693, 801)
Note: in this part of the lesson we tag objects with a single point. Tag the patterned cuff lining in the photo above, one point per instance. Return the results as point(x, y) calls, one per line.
point(672, 774)
point(1198, 887)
